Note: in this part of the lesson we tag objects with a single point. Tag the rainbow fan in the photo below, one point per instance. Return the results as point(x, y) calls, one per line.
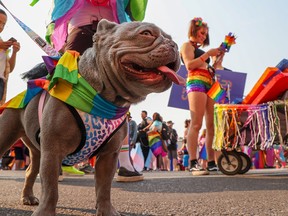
point(228, 42)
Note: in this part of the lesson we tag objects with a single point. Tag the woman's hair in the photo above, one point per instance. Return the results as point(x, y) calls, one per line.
point(3, 12)
point(195, 25)
point(186, 123)
point(156, 116)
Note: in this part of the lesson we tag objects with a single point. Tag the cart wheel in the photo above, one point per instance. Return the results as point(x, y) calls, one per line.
point(246, 162)
point(230, 166)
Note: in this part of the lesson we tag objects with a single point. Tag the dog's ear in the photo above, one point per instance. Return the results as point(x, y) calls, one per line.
point(103, 27)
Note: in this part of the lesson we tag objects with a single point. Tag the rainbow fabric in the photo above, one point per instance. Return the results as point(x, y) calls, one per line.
point(155, 143)
point(217, 93)
point(198, 80)
point(62, 11)
point(228, 42)
point(70, 87)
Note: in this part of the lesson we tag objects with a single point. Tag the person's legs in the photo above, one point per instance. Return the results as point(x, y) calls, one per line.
point(174, 156)
point(127, 172)
point(197, 104)
point(124, 156)
point(145, 149)
point(209, 118)
point(19, 158)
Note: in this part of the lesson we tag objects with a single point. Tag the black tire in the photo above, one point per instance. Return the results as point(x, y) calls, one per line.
point(246, 163)
point(231, 168)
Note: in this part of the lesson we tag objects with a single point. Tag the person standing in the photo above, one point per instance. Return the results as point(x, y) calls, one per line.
point(142, 135)
point(172, 145)
point(155, 140)
point(7, 64)
point(18, 148)
point(127, 172)
point(199, 80)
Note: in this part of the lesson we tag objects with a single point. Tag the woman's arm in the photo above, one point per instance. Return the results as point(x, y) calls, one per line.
point(12, 59)
point(187, 54)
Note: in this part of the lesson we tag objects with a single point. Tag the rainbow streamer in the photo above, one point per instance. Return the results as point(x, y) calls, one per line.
point(228, 42)
point(70, 87)
point(217, 93)
point(155, 142)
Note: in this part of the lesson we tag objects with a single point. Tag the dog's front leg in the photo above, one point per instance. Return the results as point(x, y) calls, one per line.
point(49, 173)
point(105, 169)
point(27, 197)
point(104, 173)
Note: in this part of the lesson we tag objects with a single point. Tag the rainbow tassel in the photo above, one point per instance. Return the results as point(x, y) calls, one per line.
point(217, 93)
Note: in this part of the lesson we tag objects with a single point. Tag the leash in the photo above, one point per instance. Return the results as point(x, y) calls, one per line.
point(49, 50)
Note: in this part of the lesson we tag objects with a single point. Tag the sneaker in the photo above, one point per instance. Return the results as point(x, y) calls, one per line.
point(125, 175)
point(197, 170)
point(71, 170)
point(212, 168)
point(87, 168)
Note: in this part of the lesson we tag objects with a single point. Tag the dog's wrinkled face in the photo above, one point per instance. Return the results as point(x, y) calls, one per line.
point(135, 59)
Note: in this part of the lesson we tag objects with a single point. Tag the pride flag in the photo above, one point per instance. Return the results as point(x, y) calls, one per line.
point(155, 142)
point(217, 93)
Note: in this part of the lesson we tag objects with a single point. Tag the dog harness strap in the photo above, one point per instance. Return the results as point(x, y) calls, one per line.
point(41, 106)
point(98, 132)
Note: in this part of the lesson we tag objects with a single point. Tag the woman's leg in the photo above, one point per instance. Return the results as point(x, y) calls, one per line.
point(209, 119)
point(197, 106)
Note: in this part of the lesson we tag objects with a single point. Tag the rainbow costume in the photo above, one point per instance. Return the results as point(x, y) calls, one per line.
point(155, 143)
point(198, 80)
point(97, 118)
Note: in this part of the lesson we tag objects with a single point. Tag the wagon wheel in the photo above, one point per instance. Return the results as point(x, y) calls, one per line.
point(229, 163)
point(246, 162)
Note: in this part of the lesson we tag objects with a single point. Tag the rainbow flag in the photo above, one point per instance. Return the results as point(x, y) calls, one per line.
point(217, 93)
point(155, 142)
point(69, 86)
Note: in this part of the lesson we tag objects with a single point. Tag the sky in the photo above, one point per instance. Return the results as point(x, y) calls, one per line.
point(260, 26)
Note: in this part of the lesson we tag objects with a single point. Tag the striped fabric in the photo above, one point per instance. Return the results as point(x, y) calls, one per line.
point(217, 93)
point(198, 80)
point(155, 143)
point(70, 87)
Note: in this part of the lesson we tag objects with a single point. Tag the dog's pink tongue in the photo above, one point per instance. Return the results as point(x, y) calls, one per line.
point(172, 75)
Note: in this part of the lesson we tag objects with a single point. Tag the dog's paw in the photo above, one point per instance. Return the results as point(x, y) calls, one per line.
point(31, 200)
point(107, 211)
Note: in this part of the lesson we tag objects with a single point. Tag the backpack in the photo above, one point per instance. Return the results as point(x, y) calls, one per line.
point(164, 131)
point(174, 137)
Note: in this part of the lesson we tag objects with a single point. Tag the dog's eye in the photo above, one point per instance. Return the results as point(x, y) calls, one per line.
point(147, 33)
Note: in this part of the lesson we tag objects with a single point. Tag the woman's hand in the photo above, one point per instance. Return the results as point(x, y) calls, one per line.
point(214, 52)
point(4, 45)
point(16, 46)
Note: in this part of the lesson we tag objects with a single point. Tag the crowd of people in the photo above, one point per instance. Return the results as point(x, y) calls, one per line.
point(158, 140)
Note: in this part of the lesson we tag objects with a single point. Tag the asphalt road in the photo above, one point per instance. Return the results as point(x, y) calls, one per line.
point(258, 192)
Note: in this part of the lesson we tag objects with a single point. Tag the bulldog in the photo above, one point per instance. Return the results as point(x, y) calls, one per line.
point(126, 63)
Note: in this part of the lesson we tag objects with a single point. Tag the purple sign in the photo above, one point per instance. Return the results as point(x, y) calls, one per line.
point(235, 80)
